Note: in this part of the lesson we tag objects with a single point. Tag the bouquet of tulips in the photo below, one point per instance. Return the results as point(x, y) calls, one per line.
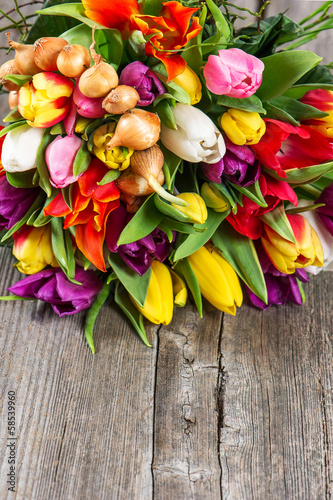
point(152, 150)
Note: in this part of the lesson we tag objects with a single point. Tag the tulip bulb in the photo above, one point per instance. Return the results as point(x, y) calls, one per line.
point(12, 99)
point(148, 164)
point(120, 100)
point(46, 51)
point(73, 60)
point(24, 57)
point(133, 184)
point(136, 129)
point(9, 68)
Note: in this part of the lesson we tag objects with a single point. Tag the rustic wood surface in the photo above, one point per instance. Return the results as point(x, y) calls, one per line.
point(219, 408)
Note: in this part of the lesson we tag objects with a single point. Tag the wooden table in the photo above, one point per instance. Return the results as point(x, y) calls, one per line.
point(219, 408)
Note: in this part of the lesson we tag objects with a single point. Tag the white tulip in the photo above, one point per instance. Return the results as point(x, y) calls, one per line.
point(19, 149)
point(325, 237)
point(197, 138)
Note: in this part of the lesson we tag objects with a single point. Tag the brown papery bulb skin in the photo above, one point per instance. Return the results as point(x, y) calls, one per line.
point(148, 162)
point(73, 60)
point(137, 129)
point(12, 99)
point(133, 184)
point(46, 51)
point(98, 80)
point(24, 57)
point(9, 68)
point(120, 100)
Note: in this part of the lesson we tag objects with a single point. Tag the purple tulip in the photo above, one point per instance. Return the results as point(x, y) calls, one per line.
point(280, 287)
point(144, 80)
point(52, 286)
point(138, 255)
point(325, 214)
point(14, 202)
point(238, 165)
point(59, 157)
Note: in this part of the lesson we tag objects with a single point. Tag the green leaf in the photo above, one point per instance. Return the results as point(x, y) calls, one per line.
point(135, 284)
point(79, 35)
point(170, 167)
point(184, 269)
point(304, 175)
point(67, 195)
point(143, 223)
point(13, 116)
point(193, 53)
point(152, 7)
point(279, 114)
point(165, 114)
point(74, 10)
point(181, 227)
point(193, 242)
point(110, 45)
point(52, 26)
point(169, 210)
point(228, 195)
point(18, 79)
point(36, 204)
point(253, 192)
point(298, 91)
point(221, 24)
point(63, 248)
point(241, 254)
point(307, 208)
point(21, 179)
point(94, 309)
point(278, 221)
point(82, 160)
point(282, 70)
point(252, 103)
point(110, 176)
point(10, 127)
point(44, 176)
point(124, 302)
point(297, 109)
point(173, 89)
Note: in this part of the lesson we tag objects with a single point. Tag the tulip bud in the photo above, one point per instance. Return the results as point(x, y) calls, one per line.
point(179, 290)
point(158, 307)
point(243, 127)
point(214, 198)
point(19, 150)
point(218, 281)
point(33, 249)
point(196, 208)
point(189, 81)
point(116, 158)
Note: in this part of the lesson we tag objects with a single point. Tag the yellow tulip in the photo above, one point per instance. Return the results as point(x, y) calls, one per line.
point(243, 127)
point(214, 198)
point(196, 208)
point(115, 158)
point(81, 124)
point(158, 307)
point(189, 81)
point(33, 249)
point(218, 281)
point(287, 256)
point(179, 290)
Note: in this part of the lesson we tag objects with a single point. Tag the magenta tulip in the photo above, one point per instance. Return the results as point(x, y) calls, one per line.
point(233, 73)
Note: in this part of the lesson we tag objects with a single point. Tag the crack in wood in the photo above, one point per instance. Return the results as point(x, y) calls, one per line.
point(220, 393)
point(154, 412)
point(60, 449)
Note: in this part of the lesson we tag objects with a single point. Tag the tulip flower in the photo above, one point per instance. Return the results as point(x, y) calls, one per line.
point(87, 106)
point(234, 73)
point(189, 81)
point(196, 208)
point(92, 205)
point(287, 256)
point(285, 146)
point(139, 254)
point(59, 157)
point(214, 198)
point(52, 286)
point(196, 138)
point(14, 202)
point(323, 100)
point(44, 101)
point(218, 282)
point(33, 249)
point(280, 287)
point(19, 150)
point(115, 158)
point(325, 214)
point(179, 290)
point(243, 127)
point(247, 219)
point(115, 14)
point(158, 306)
point(144, 80)
point(238, 166)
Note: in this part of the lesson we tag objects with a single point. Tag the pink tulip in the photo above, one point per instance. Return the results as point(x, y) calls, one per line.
point(88, 106)
point(59, 157)
point(233, 73)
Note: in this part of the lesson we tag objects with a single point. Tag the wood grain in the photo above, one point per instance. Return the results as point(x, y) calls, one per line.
point(219, 408)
